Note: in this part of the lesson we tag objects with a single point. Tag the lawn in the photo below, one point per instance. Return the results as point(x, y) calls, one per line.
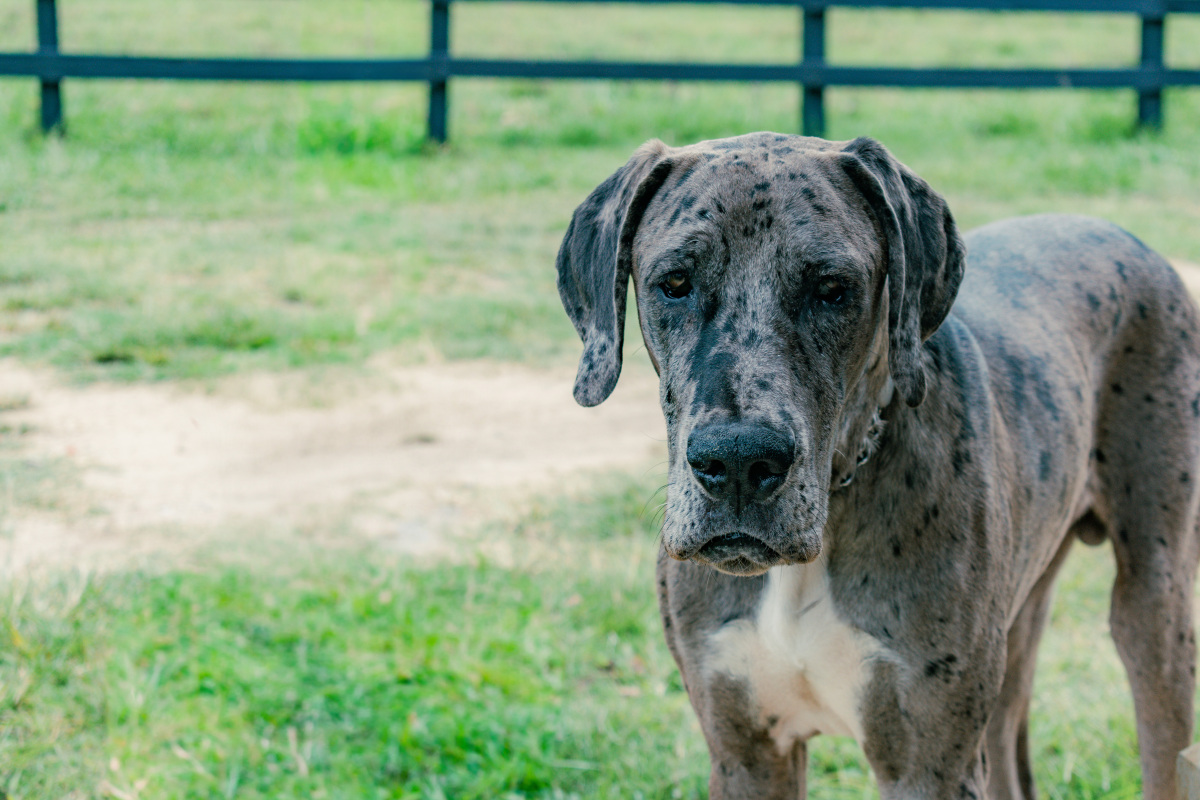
point(183, 232)
point(190, 230)
point(349, 676)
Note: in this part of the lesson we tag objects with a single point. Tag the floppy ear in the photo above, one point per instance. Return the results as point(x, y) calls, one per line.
point(594, 263)
point(924, 252)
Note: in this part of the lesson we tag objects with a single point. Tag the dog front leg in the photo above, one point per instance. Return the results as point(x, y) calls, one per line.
point(781, 779)
point(929, 745)
point(925, 782)
point(747, 762)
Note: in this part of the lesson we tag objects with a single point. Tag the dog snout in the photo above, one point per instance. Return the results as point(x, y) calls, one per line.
point(744, 462)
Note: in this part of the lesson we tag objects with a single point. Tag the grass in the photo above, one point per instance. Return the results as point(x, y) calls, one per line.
point(190, 230)
point(193, 230)
point(352, 677)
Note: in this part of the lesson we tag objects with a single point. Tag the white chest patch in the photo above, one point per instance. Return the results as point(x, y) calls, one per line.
point(805, 668)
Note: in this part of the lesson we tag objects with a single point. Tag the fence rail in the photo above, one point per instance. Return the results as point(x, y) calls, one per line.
point(811, 73)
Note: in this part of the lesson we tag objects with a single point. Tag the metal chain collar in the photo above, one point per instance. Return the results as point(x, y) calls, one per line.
point(869, 446)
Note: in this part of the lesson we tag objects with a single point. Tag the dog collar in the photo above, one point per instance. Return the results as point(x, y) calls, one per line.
point(874, 431)
point(869, 446)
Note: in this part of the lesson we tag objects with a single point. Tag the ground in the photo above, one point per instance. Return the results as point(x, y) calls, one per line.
point(259, 536)
point(401, 456)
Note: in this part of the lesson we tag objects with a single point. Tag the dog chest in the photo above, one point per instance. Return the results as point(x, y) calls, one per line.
point(804, 668)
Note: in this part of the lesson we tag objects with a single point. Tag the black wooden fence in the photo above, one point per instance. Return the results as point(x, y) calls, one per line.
point(810, 71)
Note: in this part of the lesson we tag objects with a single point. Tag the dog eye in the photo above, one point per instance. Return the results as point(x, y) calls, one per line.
point(676, 285)
point(831, 291)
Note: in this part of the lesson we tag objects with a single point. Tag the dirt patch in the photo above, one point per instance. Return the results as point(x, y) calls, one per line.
point(402, 457)
point(1191, 276)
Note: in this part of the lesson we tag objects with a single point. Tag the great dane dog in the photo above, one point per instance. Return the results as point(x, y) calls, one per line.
point(883, 440)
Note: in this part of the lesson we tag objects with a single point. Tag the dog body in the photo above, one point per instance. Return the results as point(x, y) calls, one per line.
point(875, 473)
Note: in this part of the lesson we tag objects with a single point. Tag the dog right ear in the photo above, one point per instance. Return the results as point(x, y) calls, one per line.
point(594, 264)
point(925, 256)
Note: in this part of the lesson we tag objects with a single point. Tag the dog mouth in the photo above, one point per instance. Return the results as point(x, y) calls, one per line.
point(738, 554)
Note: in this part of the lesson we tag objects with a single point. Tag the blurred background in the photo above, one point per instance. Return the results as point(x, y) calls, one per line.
point(294, 499)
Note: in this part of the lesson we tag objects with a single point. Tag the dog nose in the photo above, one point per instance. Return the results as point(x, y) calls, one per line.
point(744, 461)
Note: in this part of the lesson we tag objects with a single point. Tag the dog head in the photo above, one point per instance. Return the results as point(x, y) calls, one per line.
point(784, 287)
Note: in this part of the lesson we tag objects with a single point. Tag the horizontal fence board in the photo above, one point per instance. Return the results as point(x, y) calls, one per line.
point(1140, 7)
point(826, 75)
point(57, 67)
point(812, 72)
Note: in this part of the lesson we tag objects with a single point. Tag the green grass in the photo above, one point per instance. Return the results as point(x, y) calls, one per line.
point(352, 677)
point(191, 229)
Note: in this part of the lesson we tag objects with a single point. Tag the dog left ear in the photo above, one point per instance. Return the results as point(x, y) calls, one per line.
point(594, 263)
point(925, 256)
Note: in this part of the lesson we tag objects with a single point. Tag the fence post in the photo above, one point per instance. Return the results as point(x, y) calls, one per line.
point(47, 29)
point(812, 115)
point(1187, 773)
point(1150, 112)
point(439, 56)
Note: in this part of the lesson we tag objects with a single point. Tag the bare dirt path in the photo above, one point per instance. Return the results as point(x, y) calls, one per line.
point(401, 456)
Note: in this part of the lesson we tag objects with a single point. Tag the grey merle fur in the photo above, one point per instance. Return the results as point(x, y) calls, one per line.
point(1042, 389)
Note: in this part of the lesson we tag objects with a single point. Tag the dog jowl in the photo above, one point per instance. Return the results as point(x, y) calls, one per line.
point(881, 451)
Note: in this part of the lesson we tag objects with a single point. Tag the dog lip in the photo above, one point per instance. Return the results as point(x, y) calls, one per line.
point(738, 553)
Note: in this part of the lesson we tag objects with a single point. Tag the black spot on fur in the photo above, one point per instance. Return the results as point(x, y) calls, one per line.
point(711, 373)
point(941, 667)
point(1046, 462)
